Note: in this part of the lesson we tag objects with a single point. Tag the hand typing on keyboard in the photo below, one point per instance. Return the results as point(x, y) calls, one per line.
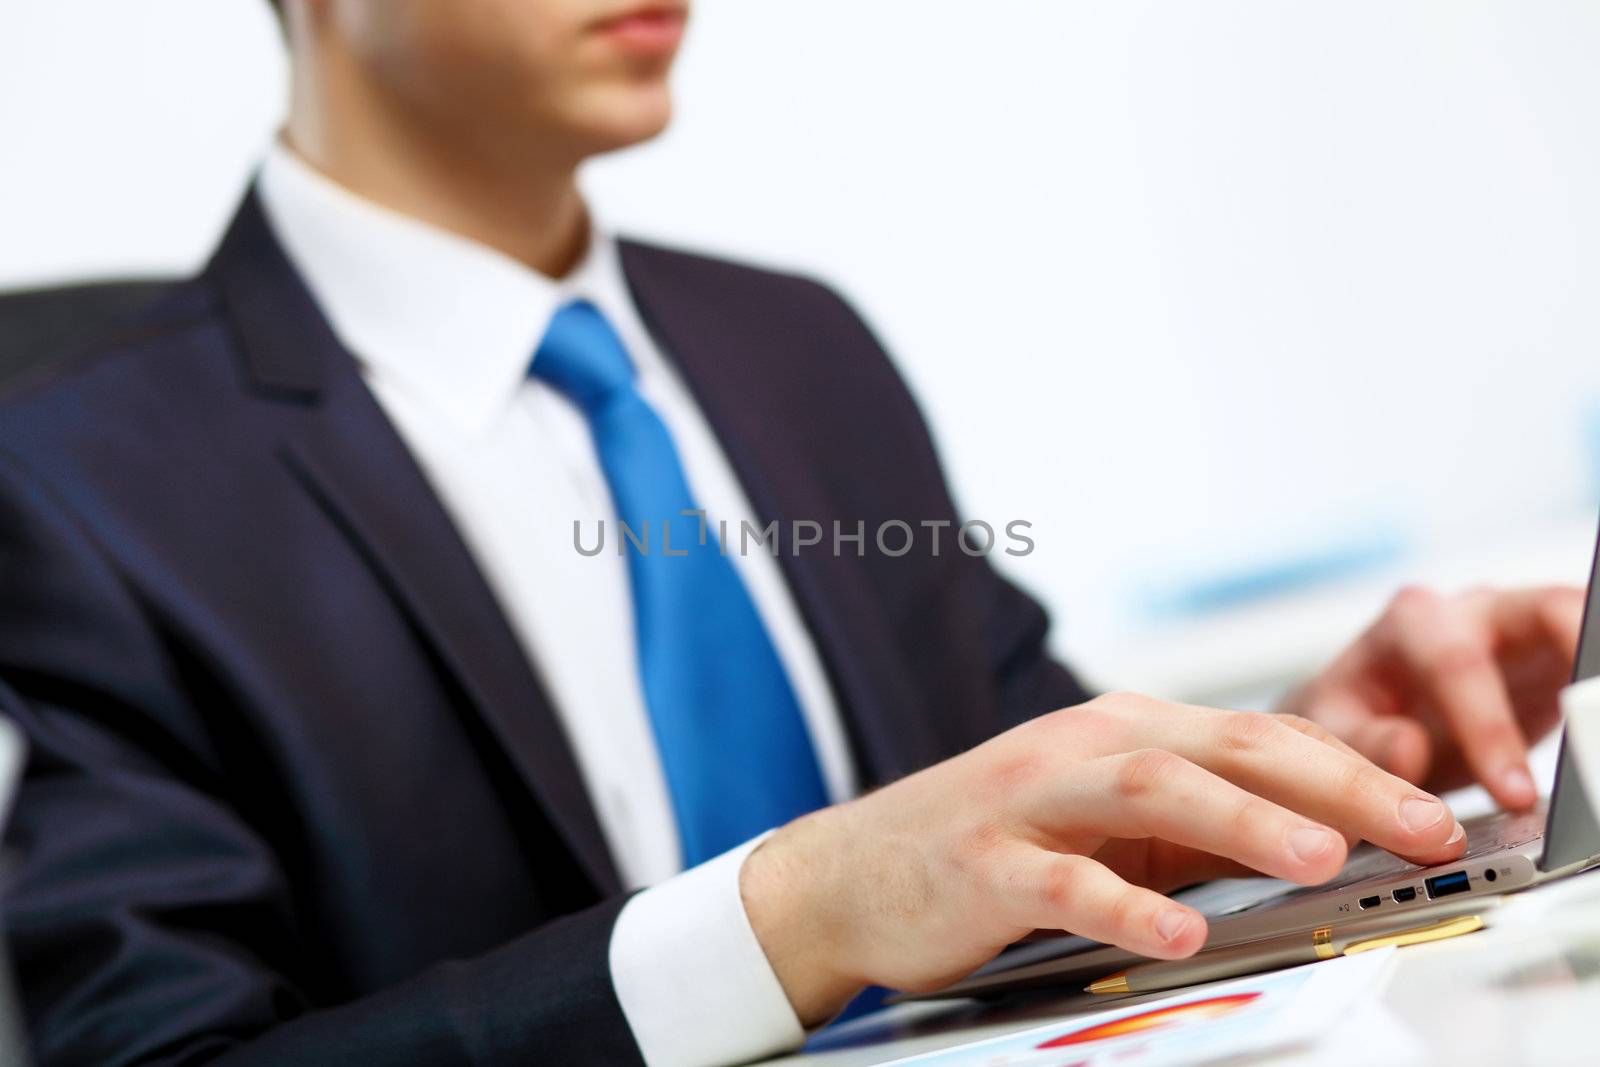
point(1076, 821)
point(1444, 691)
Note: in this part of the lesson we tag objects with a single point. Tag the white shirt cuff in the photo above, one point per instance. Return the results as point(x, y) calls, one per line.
point(693, 982)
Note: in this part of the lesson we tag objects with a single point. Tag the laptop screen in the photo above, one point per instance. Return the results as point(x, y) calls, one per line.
point(1571, 834)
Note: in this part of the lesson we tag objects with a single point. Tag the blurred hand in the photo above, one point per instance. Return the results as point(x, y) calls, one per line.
point(1447, 690)
point(1073, 821)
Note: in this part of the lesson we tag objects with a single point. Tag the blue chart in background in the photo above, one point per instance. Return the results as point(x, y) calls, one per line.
point(1290, 573)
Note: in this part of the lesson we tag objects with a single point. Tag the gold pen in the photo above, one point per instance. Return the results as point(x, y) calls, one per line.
point(1286, 951)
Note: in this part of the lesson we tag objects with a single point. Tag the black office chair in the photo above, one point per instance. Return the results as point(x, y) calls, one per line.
point(42, 327)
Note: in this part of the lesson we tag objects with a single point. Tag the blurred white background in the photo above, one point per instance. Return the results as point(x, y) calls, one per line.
point(1254, 309)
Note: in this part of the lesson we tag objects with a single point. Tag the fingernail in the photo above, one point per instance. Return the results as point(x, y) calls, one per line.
point(1420, 813)
point(1518, 782)
point(1461, 832)
point(1171, 924)
point(1310, 843)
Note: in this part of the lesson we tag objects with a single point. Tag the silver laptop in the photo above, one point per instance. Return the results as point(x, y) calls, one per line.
point(1505, 852)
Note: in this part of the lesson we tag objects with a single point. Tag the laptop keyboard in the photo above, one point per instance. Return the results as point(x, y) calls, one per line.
point(1503, 830)
point(1485, 834)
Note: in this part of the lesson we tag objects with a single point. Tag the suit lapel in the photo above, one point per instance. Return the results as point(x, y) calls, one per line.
point(348, 456)
point(734, 382)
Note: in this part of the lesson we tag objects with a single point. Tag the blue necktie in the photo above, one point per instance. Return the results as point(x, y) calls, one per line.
point(734, 746)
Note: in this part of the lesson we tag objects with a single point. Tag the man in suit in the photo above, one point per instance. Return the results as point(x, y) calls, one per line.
point(346, 750)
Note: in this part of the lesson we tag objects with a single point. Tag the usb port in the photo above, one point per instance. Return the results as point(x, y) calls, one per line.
point(1405, 895)
point(1443, 885)
point(1370, 902)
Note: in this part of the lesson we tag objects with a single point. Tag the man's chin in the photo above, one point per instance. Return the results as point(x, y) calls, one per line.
point(623, 117)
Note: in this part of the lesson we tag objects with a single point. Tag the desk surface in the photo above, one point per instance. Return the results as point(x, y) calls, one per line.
point(1524, 991)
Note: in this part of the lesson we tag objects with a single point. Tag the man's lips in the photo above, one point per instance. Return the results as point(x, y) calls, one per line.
point(645, 30)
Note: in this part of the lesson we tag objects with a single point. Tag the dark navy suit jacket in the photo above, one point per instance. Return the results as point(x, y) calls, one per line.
point(295, 793)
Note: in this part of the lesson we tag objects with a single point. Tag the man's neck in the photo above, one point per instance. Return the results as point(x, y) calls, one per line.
point(523, 204)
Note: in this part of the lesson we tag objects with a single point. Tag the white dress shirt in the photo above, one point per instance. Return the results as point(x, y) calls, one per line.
point(444, 330)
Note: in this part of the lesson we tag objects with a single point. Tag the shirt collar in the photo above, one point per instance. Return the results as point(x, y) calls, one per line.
point(449, 320)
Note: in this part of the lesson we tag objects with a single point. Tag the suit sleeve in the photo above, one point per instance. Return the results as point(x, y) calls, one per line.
point(149, 923)
point(1030, 681)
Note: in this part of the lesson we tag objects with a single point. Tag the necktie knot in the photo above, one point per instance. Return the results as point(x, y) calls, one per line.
point(582, 357)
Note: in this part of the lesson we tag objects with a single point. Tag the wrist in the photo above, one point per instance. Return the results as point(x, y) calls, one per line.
point(798, 909)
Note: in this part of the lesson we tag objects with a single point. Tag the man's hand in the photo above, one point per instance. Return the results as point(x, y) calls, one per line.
point(1449, 690)
point(1073, 821)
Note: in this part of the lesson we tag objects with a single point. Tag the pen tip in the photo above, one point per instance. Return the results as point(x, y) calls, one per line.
point(1111, 983)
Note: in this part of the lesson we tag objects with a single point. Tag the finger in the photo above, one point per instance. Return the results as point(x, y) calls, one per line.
point(1269, 759)
point(1547, 616)
point(1164, 866)
point(1398, 744)
point(1452, 662)
point(1155, 794)
point(1077, 894)
point(1539, 632)
point(1317, 732)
